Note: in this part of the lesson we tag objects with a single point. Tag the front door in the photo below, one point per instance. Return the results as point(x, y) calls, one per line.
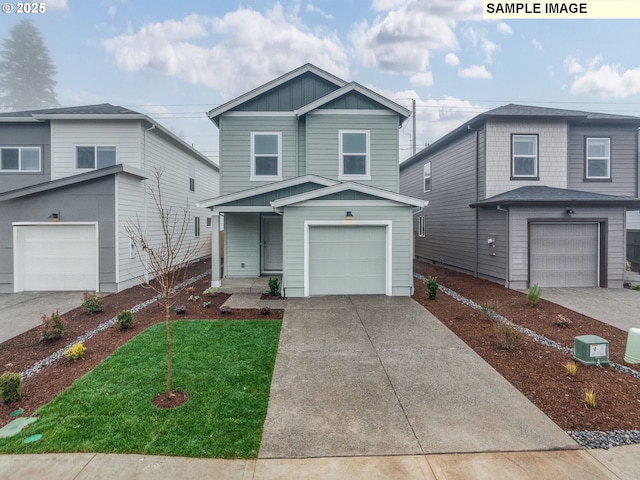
point(272, 243)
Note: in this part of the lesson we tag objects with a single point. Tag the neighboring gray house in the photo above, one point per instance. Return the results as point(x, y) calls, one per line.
point(309, 182)
point(527, 195)
point(71, 179)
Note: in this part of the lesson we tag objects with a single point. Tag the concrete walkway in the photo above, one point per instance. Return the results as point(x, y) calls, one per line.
point(376, 375)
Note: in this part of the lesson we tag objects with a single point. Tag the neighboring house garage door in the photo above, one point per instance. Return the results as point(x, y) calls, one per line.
point(564, 255)
point(347, 260)
point(55, 257)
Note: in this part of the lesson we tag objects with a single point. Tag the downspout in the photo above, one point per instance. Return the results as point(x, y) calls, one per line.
point(477, 191)
point(144, 196)
point(508, 245)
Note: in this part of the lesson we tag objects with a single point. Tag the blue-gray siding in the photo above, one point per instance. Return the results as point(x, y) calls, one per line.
point(26, 135)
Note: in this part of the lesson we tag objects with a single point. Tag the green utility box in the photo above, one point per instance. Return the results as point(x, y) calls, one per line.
point(591, 350)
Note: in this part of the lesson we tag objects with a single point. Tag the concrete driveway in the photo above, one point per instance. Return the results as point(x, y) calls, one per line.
point(619, 307)
point(21, 311)
point(375, 375)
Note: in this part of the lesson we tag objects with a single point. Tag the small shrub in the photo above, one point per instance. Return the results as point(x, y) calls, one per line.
point(226, 310)
point(635, 287)
point(509, 338)
point(125, 319)
point(10, 387)
point(274, 286)
point(210, 292)
point(265, 311)
point(52, 327)
point(628, 266)
point(206, 304)
point(590, 398)
point(571, 367)
point(561, 321)
point(489, 310)
point(75, 352)
point(432, 287)
point(180, 309)
point(193, 298)
point(191, 290)
point(92, 302)
point(533, 294)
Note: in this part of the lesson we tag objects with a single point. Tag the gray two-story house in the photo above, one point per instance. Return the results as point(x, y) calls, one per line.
point(309, 185)
point(526, 195)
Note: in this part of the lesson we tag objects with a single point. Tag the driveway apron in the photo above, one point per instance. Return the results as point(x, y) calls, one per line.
point(376, 375)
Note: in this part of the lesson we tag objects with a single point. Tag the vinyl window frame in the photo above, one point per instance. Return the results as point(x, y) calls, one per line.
point(261, 178)
point(596, 178)
point(536, 157)
point(421, 226)
point(367, 154)
point(95, 156)
point(20, 168)
point(426, 173)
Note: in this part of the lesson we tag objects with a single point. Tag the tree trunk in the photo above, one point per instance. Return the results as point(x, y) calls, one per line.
point(168, 329)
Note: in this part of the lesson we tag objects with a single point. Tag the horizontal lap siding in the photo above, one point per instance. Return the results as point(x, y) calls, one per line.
point(242, 245)
point(492, 224)
point(624, 160)
point(235, 149)
point(26, 135)
point(323, 142)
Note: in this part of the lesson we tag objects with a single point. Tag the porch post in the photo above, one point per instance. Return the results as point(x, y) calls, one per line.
point(215, 249)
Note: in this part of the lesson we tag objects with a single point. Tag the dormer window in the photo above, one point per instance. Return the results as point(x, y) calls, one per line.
point(354, 155)
point(266, 156)
point(93, 157)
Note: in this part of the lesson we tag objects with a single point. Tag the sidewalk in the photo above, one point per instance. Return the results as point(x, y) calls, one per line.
point(619, 463)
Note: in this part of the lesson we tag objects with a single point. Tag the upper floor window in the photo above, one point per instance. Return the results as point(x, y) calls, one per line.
point(354, 155)
point(20, 159)
point(427, 177)
point(92, 157)
point(598, 158)
point(266, 156)
point(524, 161)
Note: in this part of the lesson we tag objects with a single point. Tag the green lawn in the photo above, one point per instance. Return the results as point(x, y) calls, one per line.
point(224, 366)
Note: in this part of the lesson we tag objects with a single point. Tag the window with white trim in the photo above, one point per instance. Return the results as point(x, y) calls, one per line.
point(266, 156)
point(598, 158)
point(20, 159)
point(197, 226)
point(93, 157)
point(427, 177)
point(421, 226)
point(354, 155)
point(524, 162)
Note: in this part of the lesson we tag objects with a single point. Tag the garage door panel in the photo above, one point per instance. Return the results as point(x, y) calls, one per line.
point(347, 260)
point(564, 255)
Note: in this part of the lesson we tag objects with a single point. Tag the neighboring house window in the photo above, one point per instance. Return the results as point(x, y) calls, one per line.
point(598, 159)
point(197, 226)
point(192, 184)
point(92, 157)
point(208, 221)
point(20, 159)
point(427, 177)
point(354, 155)
point(421, 227)
point(266, 156)
point(524, 156)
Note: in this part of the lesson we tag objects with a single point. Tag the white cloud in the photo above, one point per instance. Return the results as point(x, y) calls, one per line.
point(57, 4)
point(536, 44)
point(422, 79)
point(233, 53)
point(112, 11)
point(313, 9)
point(504, 28)
point(605, 81)
point(475, 71)
point(451, 59)
point(401, 38)
point(479, 40)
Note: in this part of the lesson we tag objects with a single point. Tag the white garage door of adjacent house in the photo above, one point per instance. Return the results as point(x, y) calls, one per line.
point(347, 260)
point(564, 254)
point(55, 257)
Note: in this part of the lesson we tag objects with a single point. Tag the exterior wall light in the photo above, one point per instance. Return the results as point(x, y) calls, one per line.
point(349, 215)
point(55, 216)
point(570, 211)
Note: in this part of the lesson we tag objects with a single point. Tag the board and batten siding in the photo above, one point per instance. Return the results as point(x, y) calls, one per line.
point(450, 224)
point(492, 261)
point(235, 149)
point(293, 235)
point(624, 160)
point(552, 154)
point(67, 134)
point(519, 218)
point(242, 245)
point(322, 143)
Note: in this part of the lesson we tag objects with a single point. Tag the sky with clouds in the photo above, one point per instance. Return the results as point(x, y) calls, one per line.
point(175, 61)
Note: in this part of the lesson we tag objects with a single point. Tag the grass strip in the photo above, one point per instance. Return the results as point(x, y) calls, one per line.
point(224, 366)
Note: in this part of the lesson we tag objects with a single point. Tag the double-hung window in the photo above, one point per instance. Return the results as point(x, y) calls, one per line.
point(427, 177)
point(93, 157)
point(266, 156)
point(20, 159)
point(524, 161)
point(354, 155)
point(598, 159)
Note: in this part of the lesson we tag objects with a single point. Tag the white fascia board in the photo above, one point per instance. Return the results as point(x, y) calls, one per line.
point(78, 116)
point(135, 171)
point(271, 187)
point(242, 209)
point(216, 112)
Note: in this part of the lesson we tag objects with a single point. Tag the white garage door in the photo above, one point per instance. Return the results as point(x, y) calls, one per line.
point(564, 255)
point(55, 257)
point(347, 260)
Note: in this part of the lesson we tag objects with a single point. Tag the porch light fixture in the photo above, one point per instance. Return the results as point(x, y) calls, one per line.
point(349, 215)
point(55, 216)
point(570, 211)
